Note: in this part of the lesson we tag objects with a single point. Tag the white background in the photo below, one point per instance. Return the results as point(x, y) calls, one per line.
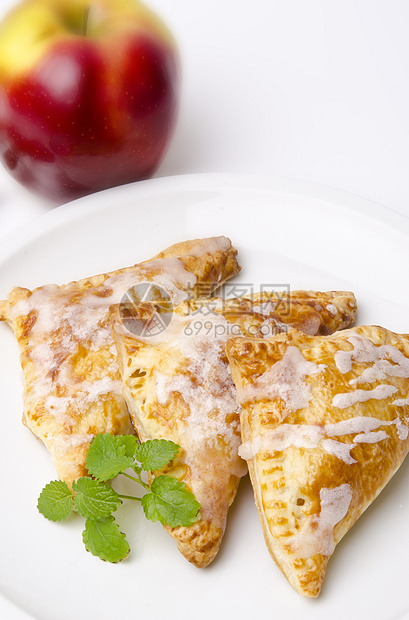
point(307, 89)
point(301, 89)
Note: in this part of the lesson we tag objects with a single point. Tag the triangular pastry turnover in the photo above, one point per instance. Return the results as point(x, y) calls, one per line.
point(324, 427)
point(268, 313)
point(178, 386)
point(72, 387)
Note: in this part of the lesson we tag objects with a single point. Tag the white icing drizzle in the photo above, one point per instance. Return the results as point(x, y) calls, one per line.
point(211, 245)
point(284, 380)
point(265, 309)
point(66, 319)
point(86, 316)
point(281, 438)
point(373, 437)
point(317, 533)
point(332, 309)
point(341, 450)
point(88, 393)
point(348, 399)
point(207, 386)
point(401, 402)
point(311, 436)
point(64, 443)
point(310, 325)
point(364, 351)
point(174, 278)
point(385, 360)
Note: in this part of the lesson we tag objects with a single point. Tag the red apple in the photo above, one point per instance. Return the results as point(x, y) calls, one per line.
point(88, 94)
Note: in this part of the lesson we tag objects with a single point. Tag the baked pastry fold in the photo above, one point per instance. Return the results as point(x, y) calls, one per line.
point(324, 426)
point(178, 386)
point(72, 386)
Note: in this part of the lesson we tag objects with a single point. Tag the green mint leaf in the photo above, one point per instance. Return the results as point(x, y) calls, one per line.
point(108, 456)
point(93, 499)
point(129, 441)
point(103, 538)
point(55, 501)
point(170, 502)
point(155, 453)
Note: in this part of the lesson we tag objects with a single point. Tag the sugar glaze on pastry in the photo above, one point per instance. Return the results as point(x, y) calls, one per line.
point(325, 425)
point(72, 385)
point(178, 386)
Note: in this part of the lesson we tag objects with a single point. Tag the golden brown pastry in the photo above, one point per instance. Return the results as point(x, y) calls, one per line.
point(178, 386)
point(268, 313)
point(324, 427)
point(72, 386)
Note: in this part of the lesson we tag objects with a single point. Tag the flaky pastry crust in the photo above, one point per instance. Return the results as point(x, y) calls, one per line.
point(177, 386)
point(324, 427)
point(72, 386)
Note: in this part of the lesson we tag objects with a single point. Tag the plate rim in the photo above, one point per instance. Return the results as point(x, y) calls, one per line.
point(29, 231)
point(82, 207)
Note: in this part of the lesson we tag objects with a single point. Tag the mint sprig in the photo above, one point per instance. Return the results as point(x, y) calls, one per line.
point(166, 499)
point(102, 538)
point(93, 499)
point(170, 503)
point(155, 454)
point(55, 501)
point(109, 455)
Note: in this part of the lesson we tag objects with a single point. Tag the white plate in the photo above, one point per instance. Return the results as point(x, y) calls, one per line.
point(286, 232)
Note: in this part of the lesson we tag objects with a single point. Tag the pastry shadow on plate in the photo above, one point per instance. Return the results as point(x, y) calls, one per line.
point(363, 545)
point(238, 512)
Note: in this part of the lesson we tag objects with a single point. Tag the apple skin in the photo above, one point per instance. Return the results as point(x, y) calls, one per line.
point(84, 111)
